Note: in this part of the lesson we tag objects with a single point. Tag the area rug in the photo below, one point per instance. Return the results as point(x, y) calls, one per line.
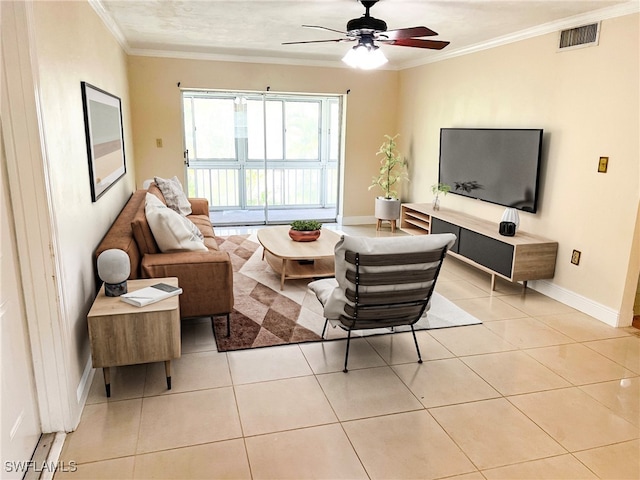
point(266, 316)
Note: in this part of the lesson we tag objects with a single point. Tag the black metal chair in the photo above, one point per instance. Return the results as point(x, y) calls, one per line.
point(382, 290)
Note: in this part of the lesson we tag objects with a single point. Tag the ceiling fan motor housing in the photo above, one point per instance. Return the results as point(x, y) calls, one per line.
point(366, 24)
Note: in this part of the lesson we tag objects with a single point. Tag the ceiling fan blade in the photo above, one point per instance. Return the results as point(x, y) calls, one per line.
point(411, 32)
point(320, 41)
point(319, 27)
point(418, 43)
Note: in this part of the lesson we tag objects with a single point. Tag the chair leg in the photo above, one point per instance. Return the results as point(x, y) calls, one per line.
point(324, 329)
point(416, 342)
point(346, 354)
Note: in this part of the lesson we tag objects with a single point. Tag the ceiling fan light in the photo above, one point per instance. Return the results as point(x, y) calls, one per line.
point(375, 59)
point(352, 57)
point(365, 57)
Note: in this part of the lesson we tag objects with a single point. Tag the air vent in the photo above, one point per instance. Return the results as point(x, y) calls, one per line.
point(584, 36)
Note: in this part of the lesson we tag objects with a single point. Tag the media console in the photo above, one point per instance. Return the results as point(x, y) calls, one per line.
point(519, 258)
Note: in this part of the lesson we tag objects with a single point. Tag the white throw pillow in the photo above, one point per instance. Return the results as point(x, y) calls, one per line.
point(174, 195)
point(172, 231)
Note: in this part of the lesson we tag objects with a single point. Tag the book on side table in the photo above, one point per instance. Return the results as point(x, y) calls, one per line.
point(152, 294)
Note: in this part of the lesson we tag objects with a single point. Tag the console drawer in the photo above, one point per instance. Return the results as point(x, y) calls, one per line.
point(488, 252)
point(440, 226)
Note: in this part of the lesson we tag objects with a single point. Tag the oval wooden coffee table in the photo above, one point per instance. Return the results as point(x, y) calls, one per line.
point(298, 259)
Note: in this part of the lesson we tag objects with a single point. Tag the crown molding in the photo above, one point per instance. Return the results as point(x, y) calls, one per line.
point(110, 23)
point(143, 52)
point(628, 8)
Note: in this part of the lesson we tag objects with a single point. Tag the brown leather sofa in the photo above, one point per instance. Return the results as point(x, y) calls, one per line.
point(206, 278)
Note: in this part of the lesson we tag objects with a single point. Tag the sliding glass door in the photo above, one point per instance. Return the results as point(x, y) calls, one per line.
point(262, 157)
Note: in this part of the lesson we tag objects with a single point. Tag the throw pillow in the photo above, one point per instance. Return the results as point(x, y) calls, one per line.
point(174, 196)
point(172, 231)
point(194, 229)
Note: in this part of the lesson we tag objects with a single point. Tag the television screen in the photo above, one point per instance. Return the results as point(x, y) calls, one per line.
point(500, 166)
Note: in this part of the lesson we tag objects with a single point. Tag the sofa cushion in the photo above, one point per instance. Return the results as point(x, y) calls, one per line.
point(211, 244)
point(199, 206)
point(174, 195)
point(142, 233)
point(153, 188)
point(204, 224)
point(171, 231)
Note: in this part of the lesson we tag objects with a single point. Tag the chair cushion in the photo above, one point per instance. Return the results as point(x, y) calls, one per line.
point(335, 300)
point(171, 231)
point(173, 194)
point(323, 288)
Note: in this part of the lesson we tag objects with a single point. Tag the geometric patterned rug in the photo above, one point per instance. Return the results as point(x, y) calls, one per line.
point(264, 315)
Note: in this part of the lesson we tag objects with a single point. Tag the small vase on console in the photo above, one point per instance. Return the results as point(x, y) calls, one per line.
point(437, 189)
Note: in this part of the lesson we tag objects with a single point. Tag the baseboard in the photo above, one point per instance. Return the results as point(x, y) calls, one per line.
point(585, 305)
point(364, 220)
point(82, 392)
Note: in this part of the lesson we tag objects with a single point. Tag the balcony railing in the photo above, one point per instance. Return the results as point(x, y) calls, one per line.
point(233, 186)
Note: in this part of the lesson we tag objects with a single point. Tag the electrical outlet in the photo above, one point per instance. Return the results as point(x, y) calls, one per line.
point(603, 164)
point(158, 142)
point(575, 257)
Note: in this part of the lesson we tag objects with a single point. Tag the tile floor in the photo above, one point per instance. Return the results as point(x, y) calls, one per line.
point(538, 391)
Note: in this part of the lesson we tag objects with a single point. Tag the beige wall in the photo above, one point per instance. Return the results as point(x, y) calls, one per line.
point(73, 45)
point(157, 112)
point(587, 102)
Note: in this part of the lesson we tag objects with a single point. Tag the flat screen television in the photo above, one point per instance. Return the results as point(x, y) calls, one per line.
point(500, 166)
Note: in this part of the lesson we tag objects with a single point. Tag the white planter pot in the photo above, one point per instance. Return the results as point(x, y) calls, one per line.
point(387, 208)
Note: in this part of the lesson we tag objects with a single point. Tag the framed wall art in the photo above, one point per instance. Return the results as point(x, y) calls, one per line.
point(105, 142)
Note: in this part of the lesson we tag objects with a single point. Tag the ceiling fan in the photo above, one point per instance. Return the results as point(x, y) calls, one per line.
point(367, 30)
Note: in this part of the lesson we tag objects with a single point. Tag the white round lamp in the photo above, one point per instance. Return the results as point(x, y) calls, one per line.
point(113, 269)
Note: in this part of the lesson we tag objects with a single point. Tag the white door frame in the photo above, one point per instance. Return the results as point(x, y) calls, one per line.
point(30, 191)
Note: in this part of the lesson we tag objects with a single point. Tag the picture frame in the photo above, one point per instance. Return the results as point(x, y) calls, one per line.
point(104, 137)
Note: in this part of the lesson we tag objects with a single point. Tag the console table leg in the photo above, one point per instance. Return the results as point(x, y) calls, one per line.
point(106, 373)
point(167, 371)
point(493, 282)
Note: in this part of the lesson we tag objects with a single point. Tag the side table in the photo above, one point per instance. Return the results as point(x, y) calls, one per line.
point(123, 334)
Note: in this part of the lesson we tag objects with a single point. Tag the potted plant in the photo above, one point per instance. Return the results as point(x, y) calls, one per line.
point(392, 172)
point(305, 230)
point(437, 189)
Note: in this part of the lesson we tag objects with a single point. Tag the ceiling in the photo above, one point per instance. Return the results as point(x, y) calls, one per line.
point(241, 30)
